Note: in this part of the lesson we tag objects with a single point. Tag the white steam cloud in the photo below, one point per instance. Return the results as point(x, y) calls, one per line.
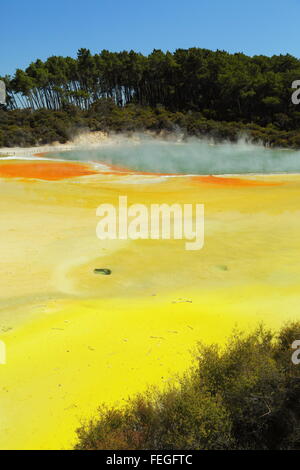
point(190, 156)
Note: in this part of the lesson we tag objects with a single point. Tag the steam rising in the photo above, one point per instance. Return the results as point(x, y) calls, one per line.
point(191, 156)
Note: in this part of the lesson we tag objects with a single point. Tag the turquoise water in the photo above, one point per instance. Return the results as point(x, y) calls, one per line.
point(191, 157)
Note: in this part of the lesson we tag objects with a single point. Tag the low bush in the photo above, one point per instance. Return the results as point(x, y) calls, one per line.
point(26, 127)
point(242, 396)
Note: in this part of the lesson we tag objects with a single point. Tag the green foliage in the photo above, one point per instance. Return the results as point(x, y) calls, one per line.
point(201, 91)
point(24, 127)
point(223, 86)
point(244, 396)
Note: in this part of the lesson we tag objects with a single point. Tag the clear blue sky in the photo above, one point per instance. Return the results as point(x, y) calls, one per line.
point(32, 29)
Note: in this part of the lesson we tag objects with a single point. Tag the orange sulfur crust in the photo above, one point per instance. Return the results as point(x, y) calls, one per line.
point(53, 170)
point(50, 171)
point(227, 181)
point(114, 169)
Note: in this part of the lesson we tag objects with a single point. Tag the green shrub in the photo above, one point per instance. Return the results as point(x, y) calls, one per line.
point(243, 396)
point(23, 127)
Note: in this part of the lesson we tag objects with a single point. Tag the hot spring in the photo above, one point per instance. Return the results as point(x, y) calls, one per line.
point(193, 156)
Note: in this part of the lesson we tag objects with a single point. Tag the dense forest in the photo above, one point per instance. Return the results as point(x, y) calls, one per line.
point(203, 86)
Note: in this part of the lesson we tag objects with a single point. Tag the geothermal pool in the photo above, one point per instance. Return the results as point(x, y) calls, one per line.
point(193, 156)
point(75, 340)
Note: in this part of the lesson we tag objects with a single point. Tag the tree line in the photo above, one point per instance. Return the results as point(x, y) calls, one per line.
point(219, 85)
